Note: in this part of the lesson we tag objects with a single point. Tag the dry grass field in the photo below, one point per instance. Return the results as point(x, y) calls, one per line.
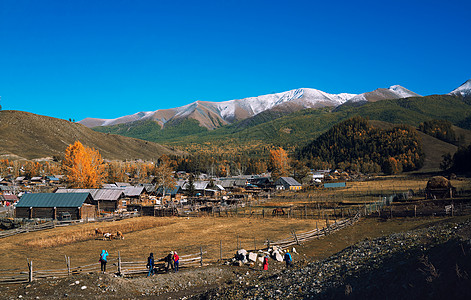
point(142, 236)
point(361, 191)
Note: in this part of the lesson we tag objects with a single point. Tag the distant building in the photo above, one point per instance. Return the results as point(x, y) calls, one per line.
point(106, 200)
point(287, 183)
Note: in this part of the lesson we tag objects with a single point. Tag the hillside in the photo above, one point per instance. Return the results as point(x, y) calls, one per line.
point(354, 144)
point(30, 136)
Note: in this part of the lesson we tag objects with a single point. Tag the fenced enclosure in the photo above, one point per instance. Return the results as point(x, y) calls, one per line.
point(55, 223)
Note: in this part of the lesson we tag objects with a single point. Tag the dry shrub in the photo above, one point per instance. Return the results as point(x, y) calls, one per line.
point(429, 269)
point(75, 234)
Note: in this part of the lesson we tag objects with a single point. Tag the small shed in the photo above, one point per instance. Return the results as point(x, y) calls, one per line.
point(54, 205)
point(135, 193)
point(8, 199)
point(288, 183)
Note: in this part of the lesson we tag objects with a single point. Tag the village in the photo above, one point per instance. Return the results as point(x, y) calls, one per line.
point(49, 198)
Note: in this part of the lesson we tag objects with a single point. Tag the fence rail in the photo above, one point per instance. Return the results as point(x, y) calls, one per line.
point(53, 224)
point(123, 268)
point(298, 238)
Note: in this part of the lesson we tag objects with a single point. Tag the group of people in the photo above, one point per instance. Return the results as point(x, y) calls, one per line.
point(287, 258)
point(172, 262)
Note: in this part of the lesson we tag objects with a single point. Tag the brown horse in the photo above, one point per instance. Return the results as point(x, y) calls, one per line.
point(278, 211)
point(98, 231)
point(119, 235)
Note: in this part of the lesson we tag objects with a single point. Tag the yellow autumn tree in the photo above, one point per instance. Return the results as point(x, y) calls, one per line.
point(83, 166)
point(278, 163)
point(164, 175)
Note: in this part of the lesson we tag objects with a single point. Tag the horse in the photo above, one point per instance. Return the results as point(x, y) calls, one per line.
point(107, 235)
point(98, 231)
point(119, 235)
point(278, 211)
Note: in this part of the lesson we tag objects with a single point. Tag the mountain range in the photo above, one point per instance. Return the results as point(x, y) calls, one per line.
point(216, 114)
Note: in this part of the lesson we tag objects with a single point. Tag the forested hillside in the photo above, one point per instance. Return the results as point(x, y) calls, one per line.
point(356, 145)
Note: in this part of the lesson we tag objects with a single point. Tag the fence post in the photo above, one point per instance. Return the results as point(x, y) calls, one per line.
point(30, 270)
point(415, 211)
point(119, 263)
point(263, 213)
point(67, 261)
point(201, 255)
point(220, 250)
point(295, 237)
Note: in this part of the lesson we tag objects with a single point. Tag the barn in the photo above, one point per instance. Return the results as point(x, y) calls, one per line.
point(287, 183)
point(55, 206)
point(107, 200)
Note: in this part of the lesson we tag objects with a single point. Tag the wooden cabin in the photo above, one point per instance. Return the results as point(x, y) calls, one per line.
point(54, 205)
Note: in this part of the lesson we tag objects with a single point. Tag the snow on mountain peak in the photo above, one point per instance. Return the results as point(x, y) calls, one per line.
point(402, 91)
point(463, 90)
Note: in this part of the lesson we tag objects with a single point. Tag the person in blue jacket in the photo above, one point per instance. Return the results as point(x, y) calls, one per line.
point(288, 259)
point(150, 265)
point(103, 260)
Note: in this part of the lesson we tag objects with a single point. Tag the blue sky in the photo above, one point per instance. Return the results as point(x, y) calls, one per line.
point(105, 59)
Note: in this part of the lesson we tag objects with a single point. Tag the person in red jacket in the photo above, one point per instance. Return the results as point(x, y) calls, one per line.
point(265, 263)
point(176, 260)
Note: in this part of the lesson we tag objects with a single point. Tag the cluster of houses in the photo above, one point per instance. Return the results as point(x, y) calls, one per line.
point(48, 197)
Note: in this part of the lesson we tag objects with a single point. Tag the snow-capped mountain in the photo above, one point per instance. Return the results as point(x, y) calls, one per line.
point(394, 92)
point(215, 114)
point(463, 90)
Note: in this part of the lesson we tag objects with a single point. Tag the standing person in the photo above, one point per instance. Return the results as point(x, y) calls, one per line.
point(150, 264)
point(169, 260)
point(288, 259)
point(265, 263)
point(103, 260)
point(176, 260)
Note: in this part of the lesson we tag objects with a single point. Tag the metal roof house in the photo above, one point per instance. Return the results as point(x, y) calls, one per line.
point(55, 205)
point(288, 183)
point(105, 199)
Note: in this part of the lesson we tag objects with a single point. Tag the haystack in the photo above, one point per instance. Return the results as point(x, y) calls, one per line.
point(438, 182)
point(439, 187)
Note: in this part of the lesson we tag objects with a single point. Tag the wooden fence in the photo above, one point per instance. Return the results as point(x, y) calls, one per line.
point(298, 238)
point(114, 266)
point(54, 224)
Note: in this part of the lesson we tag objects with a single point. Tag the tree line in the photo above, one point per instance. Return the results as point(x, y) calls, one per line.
point(357, 146)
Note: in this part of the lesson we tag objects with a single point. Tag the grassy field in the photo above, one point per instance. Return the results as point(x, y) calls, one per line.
point(159, 235)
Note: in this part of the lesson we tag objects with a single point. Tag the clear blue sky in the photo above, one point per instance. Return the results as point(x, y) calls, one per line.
point(105, 59)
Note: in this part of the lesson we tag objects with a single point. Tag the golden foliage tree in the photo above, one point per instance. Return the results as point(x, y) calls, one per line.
point(164, 175)
point(83, 166)
point(279, 164)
